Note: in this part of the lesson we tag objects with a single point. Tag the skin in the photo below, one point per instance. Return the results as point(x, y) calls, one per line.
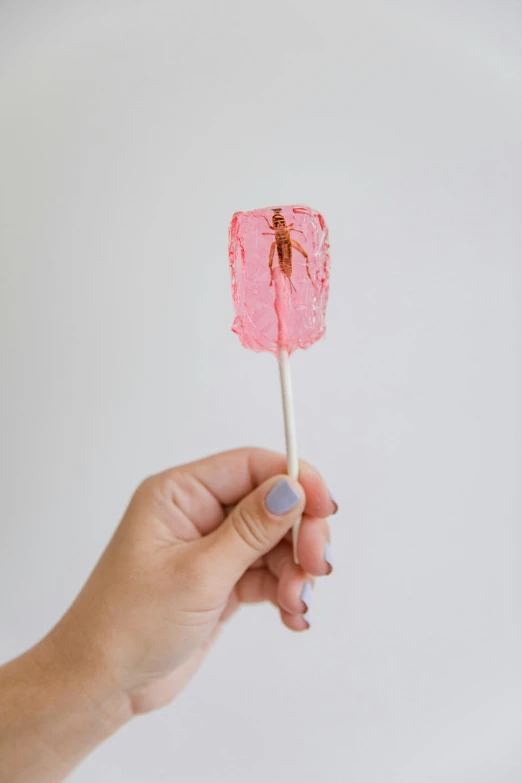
point(195, 543)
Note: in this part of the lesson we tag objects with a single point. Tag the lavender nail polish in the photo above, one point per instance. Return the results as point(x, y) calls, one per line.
point(328, 553)
point(306, 596)
point(282, 498)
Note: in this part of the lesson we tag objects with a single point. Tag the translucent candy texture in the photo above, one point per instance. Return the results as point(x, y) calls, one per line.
point(282, 307)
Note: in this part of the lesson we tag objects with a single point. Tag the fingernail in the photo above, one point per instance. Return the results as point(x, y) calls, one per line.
point(306, 598)
point(328, 554)
point(336, 507)
point(282, 498)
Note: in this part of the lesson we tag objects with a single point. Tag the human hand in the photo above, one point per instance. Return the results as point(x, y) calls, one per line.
point(195, 543)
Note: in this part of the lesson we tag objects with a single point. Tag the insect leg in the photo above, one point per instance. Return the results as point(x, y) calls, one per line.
point(269, 226)
point(305, 254)
point(271, 261)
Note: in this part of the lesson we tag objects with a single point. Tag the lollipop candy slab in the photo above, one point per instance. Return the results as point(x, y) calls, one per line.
point(279, 258)
point(280, 264)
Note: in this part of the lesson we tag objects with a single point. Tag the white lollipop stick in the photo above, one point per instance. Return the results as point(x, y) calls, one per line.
point(290, 434)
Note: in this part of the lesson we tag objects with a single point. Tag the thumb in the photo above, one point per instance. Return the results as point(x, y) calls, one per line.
point(257, 524)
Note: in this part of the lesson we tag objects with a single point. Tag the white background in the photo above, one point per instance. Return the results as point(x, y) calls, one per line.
point(129, 134)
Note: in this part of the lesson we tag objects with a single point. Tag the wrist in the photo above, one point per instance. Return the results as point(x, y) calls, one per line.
point(58, 704)
point(74, 662)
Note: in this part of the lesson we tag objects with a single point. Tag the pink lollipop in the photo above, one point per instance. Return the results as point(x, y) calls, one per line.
point(280, 278)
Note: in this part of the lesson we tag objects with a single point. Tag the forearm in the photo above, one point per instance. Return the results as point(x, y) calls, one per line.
point(55, 707)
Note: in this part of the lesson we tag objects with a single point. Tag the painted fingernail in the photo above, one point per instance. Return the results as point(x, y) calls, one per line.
point(306, 594)
point(282, 498)
point(328, 555)
point(306, 598)
point(336, 507)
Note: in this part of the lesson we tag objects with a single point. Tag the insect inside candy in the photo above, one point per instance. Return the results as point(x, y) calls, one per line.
point(284, 244)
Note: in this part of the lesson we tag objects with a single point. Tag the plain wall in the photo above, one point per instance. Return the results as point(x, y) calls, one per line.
point(129, 134)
